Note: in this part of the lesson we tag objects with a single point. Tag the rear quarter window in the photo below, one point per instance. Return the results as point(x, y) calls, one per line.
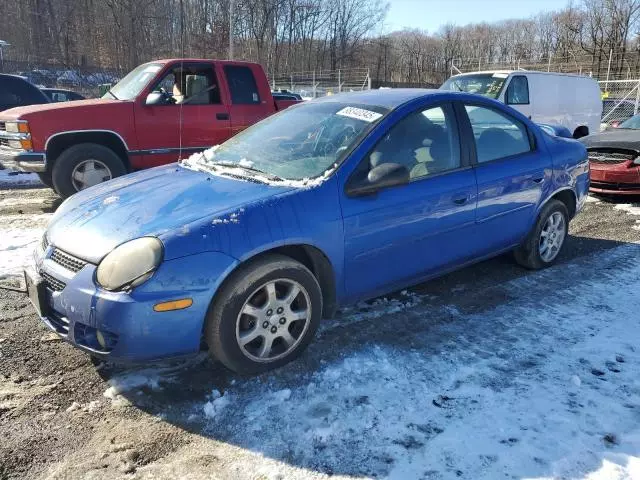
point(242, 85)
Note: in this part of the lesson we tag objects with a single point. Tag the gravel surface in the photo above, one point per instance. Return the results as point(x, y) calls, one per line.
point(62, 416)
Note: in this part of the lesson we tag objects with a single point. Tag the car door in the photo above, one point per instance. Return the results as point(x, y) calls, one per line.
point(193, 118)
point(401, 234)
point(512, 172)
point(247, 104)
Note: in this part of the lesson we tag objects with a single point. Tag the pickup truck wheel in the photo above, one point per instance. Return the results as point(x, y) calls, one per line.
point(544, 243)
point(45, 177)
point(85, 165)
point(264, 315)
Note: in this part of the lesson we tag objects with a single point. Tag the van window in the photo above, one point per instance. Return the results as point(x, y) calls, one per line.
point(497, 135)
point(518, 91)
point(242, 85)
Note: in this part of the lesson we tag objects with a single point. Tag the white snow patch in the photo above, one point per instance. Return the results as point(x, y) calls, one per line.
point(528, 389)
point(245, 163)
point(218, 402)
point(16, 250)
point(591, 199)
point(630, 208)
point(10, 178)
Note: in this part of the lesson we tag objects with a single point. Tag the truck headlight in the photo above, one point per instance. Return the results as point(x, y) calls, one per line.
point(130, 264)
point(17, 126)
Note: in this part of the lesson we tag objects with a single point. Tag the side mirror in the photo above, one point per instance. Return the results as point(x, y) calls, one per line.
point(157, 98)
point(384, 175)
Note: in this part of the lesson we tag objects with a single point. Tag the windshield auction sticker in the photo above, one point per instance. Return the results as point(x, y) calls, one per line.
point(359, 114)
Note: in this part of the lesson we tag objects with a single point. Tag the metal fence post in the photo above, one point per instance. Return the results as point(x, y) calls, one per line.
point(635, 109)
point(314, 83)
point(339, 82)
point(368, 79)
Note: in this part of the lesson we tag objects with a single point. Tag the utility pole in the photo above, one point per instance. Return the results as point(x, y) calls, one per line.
point(231, 8)
point(3, 44)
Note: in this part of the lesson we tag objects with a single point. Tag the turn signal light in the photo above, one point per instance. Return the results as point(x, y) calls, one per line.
point(173, 305)
point(23, 127)
point(26, 144)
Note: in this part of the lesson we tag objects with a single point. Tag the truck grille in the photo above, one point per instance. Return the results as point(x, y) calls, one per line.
point(52, 283)
point(2, 127)
point(608, 157)
point(4, 142)
point(67, 261)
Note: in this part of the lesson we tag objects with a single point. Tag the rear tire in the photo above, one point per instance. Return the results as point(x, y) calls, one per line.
point(281, 322)
point(84, 165)
point(550, 231)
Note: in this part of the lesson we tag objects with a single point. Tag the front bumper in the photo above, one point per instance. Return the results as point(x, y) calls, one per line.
point(131, 331)
point(615, 179)
point(13, 159)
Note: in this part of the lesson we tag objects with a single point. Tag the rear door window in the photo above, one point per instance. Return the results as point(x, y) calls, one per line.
point(242, 85)
point(497, 135)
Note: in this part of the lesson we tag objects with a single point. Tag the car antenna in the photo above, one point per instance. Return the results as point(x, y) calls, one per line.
point(182, 77)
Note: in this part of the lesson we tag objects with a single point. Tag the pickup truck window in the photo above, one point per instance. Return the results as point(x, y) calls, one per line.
point(242, 85)
point(190, 85)
point(132, 84)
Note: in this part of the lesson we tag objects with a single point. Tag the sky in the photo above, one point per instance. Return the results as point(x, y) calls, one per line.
point(431, 14)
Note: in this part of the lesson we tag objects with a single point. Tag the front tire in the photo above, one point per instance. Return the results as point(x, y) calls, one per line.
point(45, 178)
point(264, 316)
point(85, 165)
point(543, 245)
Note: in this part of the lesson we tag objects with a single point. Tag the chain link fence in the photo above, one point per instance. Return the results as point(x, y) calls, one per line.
point(319, 83)
point(620, 101)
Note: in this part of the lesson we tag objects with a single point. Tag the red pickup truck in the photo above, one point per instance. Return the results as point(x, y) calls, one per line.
point(159, 112)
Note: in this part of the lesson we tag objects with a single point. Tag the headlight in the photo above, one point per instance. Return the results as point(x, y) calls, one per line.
point(130, 264)
point(19, 126)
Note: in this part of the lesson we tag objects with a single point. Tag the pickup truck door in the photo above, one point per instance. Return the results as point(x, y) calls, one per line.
point(194, 118)
point(249, 96)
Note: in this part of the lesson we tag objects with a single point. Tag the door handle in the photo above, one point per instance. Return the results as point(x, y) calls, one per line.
point(461, 200)
point(222, 116)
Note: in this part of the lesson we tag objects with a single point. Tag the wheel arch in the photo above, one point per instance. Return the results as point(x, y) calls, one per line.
point(311, 257)
point(567, 196)
point(59, 142)
point(581, 131)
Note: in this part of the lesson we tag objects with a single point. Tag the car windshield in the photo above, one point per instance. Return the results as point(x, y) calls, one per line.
point(632, 123)
point(302, 142)
point(486, 84)
point(132, 84)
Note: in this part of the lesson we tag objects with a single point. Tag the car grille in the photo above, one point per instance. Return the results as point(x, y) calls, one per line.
point(52, 283)
point(60, 323)
point(608, 157)
point(45, 242)
point(67, 261)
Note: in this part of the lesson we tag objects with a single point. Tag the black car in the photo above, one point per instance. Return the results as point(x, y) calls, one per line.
point(18, 92)
point(61, 95)
point(285, 95)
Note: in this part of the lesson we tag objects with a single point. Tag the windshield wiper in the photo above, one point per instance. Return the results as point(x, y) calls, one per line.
point(249, 169)
point(112, 94)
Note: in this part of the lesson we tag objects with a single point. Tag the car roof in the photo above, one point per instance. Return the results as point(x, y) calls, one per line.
point(388, 98)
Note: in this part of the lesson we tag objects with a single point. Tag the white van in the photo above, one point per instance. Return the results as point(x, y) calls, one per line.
point(572, 101)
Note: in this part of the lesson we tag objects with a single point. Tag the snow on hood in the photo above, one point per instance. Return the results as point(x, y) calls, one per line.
point(149, 203)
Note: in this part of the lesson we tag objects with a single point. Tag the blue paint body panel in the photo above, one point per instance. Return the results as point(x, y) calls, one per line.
point(375, 244)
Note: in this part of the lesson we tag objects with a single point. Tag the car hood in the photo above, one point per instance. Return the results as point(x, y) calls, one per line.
point(153, 202)
point(617, 138)
point(29, 110)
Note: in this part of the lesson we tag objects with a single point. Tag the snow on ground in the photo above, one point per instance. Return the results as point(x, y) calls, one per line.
point(9, 178)
point(20, 236)
point(631, 209)
point(535, 388)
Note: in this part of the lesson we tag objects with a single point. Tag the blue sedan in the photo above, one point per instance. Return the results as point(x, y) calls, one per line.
point(247, 246)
